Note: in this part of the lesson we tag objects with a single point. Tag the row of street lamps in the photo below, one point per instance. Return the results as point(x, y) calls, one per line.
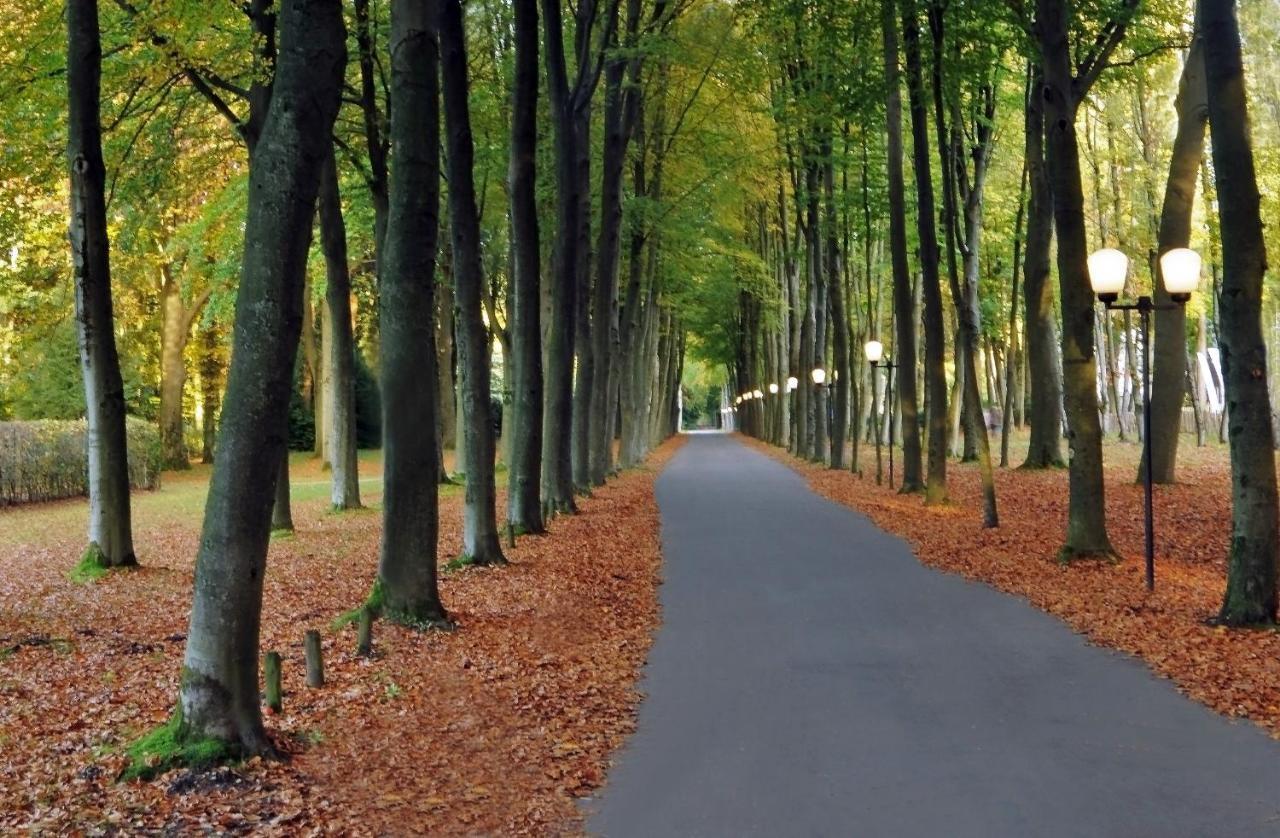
point(874, 350)
point(1108, 269)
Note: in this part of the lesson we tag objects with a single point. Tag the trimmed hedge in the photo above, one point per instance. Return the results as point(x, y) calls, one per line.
point(47, 459)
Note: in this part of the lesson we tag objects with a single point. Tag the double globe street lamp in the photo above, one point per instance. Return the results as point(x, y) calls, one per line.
point(1180, 269)
point(875, 354)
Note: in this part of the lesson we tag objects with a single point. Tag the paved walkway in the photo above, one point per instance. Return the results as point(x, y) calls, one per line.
point(811, 678)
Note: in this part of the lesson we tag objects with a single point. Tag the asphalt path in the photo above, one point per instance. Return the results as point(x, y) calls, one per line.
point(812, 678)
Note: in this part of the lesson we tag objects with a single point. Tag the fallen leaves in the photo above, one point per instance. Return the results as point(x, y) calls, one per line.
point(1236, 672)
point(494, 728)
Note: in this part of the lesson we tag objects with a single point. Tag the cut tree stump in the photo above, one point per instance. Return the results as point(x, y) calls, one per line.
point(364, 634)
point(275, 691)
point(315, 663)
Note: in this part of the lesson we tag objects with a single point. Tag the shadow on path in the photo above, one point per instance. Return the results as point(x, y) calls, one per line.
point(811, 678)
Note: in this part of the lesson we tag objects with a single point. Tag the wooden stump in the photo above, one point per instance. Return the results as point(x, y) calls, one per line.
point(315, 663)
point(364, 634)
point(275, 691)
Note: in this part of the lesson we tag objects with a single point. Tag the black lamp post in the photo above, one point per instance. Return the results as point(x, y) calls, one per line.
point(875, 354)
point(819, 376)
point(1180, 269)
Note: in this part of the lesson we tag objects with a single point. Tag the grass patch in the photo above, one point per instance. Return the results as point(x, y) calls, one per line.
point(374, 603)
point(166, 748)
point(345, 619)
point(460, 563)
point(91, 568)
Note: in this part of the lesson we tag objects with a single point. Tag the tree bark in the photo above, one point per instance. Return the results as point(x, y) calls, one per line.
point(584, 381)
point(110, 523)
point(1169, 367)
point(935, 337)
point(1012, 360)
point(446, 399)
point(557, 457)
point(903, 304)
point(1255, 519)
point(212, 369)
point(840, 321)
point(620, 113)
point(176, 319)
point(340, 361)
point(1061, 91)
point(281, 507)
point(407, 589)
point(219, 693)
point(480, 540)
point(525, 490)
point(1045, 378)
point(375, 142)
point(971, 194)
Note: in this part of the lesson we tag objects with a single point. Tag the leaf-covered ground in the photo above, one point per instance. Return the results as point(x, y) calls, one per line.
point(494, 728)
point(1236, 672)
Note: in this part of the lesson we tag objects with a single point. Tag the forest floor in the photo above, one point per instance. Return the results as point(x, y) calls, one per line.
point(1236, 672)
point(496, 727)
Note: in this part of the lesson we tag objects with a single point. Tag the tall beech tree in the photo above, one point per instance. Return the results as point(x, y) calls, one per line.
point(1068, 76)
point(407, 589)
point(839, 316)
point(524, 492)
point(176, 319)
point(219, 692)
point(1169, 367)
point(110, 521)
point(1045, 372)
point(570, 118)
point(903, 305)
point(1255, 517)
point(480, 542)
point(339, 345)
point(965, 102)
point(621, 110)
point(935, 381)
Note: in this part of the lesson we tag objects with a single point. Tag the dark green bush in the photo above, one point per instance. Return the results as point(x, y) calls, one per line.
point(46, 459)
point(47, 383)
point(302, 421)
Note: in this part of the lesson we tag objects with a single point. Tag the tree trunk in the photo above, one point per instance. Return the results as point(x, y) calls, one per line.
point(840, 321)
point(110, 523)
point(1044, 370)
point(584, 382)
point(212, 369)
point(1086, 515)
point(525, 490)
point(446, 398)
point(406, 589)
point(375, 142)
point(281, 507)
point(1012, 358)
point(480, 540)
point(905, 334)
point(970, 322)
point(618, 124)
point(312, 377)
point(340, 359)
point(219, 693)
point(557, 441)
point(1251, 570)
point(176, 319)
point(935, 338)
point(1168, 381)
